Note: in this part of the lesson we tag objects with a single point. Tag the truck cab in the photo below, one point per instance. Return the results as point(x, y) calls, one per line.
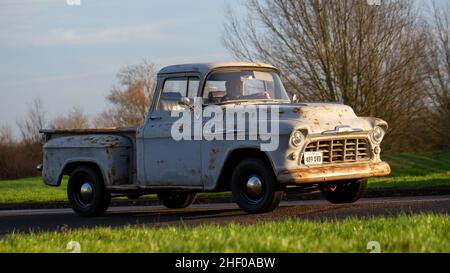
point(216, 127)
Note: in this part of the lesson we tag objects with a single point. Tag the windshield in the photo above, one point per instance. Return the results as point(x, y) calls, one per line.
point(231, 86)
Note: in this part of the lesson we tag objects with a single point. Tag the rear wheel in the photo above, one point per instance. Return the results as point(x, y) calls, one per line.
point(254, 187)
point(86, 192)
point(177, 199)
point(344, 192)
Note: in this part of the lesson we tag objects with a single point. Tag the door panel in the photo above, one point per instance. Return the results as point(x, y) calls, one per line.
point(169, 162)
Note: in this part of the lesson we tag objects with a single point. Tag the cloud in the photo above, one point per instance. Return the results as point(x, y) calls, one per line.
point(77, 36)
point(86, 36)
point(22, 25)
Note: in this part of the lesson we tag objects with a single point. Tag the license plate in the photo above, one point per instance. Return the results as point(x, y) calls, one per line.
point(313, 158)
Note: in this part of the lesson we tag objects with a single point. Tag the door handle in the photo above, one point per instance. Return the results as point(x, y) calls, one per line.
point(155, 117)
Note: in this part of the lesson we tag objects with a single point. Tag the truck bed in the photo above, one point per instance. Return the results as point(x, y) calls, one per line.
point(51, 133)
point(112, 150)
point(90, 131)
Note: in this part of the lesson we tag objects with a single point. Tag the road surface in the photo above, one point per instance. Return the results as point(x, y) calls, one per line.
point(155, 216)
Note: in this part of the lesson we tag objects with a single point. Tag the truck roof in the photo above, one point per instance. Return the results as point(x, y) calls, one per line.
point(206, 67)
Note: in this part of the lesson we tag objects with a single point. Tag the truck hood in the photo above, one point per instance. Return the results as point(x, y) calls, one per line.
point(320, 117)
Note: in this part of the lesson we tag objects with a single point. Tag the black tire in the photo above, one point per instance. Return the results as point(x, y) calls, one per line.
point(266, 197)
point(177, 199)
point(97, 203)
point(344, 192)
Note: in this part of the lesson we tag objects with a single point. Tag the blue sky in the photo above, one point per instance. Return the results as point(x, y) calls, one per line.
point(69, 55)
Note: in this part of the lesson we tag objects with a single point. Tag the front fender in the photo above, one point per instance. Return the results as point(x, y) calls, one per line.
point(377, 122)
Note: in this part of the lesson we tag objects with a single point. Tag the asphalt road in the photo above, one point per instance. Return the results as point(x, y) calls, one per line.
point(155, 216)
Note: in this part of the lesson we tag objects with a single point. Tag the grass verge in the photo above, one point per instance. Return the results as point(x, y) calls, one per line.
point(31, 190)
point(418, 233)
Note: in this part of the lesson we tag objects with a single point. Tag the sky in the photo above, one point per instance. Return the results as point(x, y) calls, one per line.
point(68, 55)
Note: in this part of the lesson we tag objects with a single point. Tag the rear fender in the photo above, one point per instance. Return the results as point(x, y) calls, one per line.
point(110, 154)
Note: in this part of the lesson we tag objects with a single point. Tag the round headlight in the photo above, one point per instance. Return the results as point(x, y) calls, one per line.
point(297, 138)
point(377, 134)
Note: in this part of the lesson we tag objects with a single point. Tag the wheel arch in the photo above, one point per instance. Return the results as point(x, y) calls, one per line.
point(70, 166)
point(233, 159)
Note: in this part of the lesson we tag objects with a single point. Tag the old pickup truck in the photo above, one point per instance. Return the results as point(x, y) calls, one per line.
point(319, 145)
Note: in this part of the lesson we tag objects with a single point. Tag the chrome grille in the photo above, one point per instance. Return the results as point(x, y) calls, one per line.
point(341, 150)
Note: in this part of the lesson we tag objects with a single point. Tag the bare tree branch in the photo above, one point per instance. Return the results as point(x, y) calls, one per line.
point(372, 58)
point(130, 99)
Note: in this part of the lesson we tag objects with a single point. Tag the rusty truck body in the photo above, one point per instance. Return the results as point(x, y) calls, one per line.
point(320, 145)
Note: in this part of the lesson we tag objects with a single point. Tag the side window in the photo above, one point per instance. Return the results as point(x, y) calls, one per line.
point(174, 89)
point(175, 85)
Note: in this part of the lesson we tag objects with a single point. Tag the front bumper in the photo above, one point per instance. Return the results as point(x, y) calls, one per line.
point(326, 173)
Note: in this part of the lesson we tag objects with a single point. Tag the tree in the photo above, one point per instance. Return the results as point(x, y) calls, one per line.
point(74, 119)
point(20, 159)
point(438, 81)
point(368, 57)
point(130, 99)
point(34, 121)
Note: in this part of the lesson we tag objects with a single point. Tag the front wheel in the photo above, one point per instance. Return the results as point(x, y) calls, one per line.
point(177, 199)
point(254, 187)
point(344, 192)
point(86, 192)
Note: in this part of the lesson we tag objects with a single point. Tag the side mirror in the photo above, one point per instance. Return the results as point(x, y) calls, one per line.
point(184, 101)
point(294, 98)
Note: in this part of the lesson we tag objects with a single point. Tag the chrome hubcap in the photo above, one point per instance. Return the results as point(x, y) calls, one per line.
point(254, 186)
point(86, 192)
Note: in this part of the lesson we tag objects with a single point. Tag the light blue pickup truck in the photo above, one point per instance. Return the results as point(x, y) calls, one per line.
point(179, 151)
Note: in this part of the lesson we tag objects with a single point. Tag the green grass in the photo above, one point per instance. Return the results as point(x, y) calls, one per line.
point(411, 182)
point(418, 233)
point(409, 170)
point(418, 164)
point(415, 170)
point(30, 190)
